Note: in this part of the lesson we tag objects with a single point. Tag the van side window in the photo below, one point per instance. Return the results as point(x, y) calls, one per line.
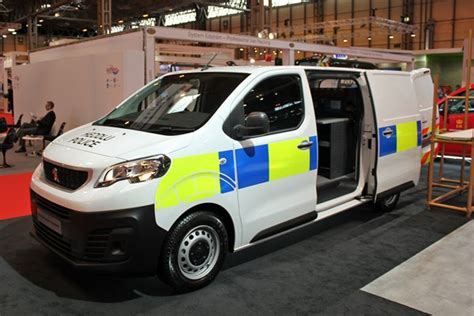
point(280, 98)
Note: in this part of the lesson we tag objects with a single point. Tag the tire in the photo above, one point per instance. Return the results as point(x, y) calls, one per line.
point(388, 203)
point(193, 251)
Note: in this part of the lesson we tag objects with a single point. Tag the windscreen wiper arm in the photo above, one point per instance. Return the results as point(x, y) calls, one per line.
point(170, 128)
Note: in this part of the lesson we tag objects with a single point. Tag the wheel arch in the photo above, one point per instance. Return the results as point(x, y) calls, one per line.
point(220, 212)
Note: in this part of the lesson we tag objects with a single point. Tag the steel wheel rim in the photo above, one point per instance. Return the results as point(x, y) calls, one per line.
point(198, 252)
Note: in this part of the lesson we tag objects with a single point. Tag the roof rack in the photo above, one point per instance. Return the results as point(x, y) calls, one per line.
point(334, 62)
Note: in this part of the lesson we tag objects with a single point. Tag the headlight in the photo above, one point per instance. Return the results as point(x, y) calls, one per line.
point(135, 171)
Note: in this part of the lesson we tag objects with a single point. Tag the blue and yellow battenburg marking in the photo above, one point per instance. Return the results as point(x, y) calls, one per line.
point(203, 176)
point(399, 137)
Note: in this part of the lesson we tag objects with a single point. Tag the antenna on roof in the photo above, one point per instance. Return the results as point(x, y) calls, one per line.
point(206, 66)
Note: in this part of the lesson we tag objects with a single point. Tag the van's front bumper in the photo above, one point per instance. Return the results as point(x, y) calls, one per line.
point(126, 242)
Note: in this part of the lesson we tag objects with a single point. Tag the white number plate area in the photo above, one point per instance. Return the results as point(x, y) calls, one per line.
point(49, 221)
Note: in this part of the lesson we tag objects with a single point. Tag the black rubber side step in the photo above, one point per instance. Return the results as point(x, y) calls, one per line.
point(300, 220)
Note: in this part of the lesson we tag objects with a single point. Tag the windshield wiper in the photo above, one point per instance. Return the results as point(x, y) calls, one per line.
point(115, 123)
point(169, 128)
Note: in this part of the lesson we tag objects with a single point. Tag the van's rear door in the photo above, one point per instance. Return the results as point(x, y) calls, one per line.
point(398, 123)
point(423, 85)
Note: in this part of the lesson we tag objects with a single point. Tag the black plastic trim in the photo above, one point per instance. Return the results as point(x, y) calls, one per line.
point(124, 242)
point(328, 74)
point(292, 223)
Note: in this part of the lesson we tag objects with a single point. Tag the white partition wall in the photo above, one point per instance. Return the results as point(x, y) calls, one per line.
point(83, 88)
point(101, 45)
point(85, 79)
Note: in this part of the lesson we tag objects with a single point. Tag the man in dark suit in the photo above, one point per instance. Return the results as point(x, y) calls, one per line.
point(37, 127)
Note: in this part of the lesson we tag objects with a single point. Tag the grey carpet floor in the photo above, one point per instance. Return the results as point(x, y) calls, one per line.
point(318, 269)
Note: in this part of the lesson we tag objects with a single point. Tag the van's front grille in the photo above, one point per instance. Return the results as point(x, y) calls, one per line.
point(64, 177)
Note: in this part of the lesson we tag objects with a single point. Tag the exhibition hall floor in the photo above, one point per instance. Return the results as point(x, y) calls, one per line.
point(359, 262)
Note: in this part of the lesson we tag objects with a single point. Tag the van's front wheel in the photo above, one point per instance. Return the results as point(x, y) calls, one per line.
point(388, 203)
point(193, 252)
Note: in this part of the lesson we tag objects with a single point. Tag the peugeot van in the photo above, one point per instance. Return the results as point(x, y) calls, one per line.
point(202, 163)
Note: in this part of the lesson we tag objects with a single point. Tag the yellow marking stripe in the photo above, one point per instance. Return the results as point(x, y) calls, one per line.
point(189, 179)
point(407, 136)
point(285, 159)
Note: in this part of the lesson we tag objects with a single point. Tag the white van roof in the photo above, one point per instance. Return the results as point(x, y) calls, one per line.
point(262, 69)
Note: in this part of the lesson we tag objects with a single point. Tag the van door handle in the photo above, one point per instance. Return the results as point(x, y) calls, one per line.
point(388, 132)
point(305, 145)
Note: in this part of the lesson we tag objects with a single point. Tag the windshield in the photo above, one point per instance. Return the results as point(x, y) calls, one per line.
point(174, 104)
point(456, 106)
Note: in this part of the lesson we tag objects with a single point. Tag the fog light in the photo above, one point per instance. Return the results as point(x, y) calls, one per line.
point(116, 249)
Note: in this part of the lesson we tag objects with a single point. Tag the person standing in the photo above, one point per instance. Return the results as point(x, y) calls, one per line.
point(37, 127)
point(10, 97)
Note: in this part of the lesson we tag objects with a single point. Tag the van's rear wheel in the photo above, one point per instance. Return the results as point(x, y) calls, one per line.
point(388, 203)
point(193, 252)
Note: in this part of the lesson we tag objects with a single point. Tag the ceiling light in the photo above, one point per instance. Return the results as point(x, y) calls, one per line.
point(241, 49)
point(145, 15)
point(252, 61)
point(4, 36)
point(390, 36)
point(84, 30)
point(57, 14)
point(271, 36)
point(413, 35)
point(13, 33)
point(41, 21)
point(345, 40)
point(11, 30)
point(369, 38)
point(120, 21)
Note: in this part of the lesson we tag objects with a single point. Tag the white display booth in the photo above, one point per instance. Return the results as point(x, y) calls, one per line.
point(85, 80)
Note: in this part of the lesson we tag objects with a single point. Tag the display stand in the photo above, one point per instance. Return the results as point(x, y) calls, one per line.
point(465, 138)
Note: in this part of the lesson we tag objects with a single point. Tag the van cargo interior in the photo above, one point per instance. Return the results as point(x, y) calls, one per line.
point(339, 110)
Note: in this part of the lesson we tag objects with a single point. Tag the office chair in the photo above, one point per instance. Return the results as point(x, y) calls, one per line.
point(18, 122)
point(7, 145)
point(3, 125)
point(50, 138)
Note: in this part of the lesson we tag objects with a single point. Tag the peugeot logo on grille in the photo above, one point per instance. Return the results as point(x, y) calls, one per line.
point(54, 174)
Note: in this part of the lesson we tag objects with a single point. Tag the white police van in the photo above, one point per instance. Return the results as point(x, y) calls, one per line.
point(197, 164)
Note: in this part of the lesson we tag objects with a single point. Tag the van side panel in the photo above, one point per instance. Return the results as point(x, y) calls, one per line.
point(399, 126)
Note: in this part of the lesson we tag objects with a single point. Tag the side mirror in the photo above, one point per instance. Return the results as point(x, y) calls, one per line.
point(256, 123)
